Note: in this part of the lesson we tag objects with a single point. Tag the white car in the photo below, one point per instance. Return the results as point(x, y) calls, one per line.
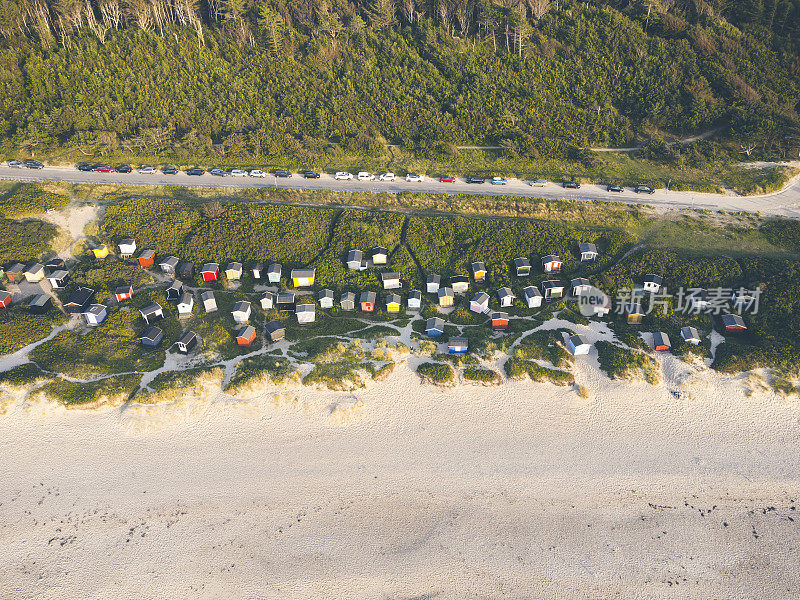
point(539, 183)
point(414, 177)
point(238, 173)
point(364, 176)
point(146, 170)
point(387, 177)
point(257, 173)
point(343, 175)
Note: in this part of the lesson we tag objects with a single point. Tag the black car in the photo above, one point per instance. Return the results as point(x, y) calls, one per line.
point(282, 173)
point(34, 164)
point(170, 170)
point(85, 167)
point(311, 175)
point(195, 171)
point(476, 180)
point(613, 187)
point(124, 169)
point(572, 185)
point(643, 189)
point(219, 172)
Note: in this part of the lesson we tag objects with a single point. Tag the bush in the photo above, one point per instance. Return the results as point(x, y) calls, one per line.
point(436, 373)
point(20, 327)
point(25, 240)
point(71, 393)
point(277, 368)
point(517, 369)
point(30, 199)
point(23, 375)
point(622, 363)
point(482, 376)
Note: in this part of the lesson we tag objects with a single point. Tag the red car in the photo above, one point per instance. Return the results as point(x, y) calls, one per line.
point(105, 169)
point(447, 179)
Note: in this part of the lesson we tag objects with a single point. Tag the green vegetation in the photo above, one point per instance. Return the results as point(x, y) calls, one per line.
point(345, 376)
point(544, 345)
point(29, 199)
point(20, 327)
point(248, 370)
point(622, 363)
point(436, 373)
point(517, 368)
point(75, 393)
point(24, 375)
point(24, 240)
point(482, 376)
point(169, 384)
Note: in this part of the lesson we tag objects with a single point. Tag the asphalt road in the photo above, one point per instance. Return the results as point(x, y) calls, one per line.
point(784, 203)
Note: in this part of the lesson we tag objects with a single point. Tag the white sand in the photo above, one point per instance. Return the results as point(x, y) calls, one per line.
point(403, 491)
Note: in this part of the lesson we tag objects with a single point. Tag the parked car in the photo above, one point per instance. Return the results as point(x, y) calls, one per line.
point(15, 163)
point(146, 170)
point(170, 170)
point(643, 189)
point(343, 175)
point(124, 169)
point(416, 177)
point(105, 169)
point(195, 171)
point(474, 179)
point(311, 175)
point(238, 173)
point(498, 181)
point(364, 176)
point(613, 187)
point(85, 167)
point(571, 185)
point(539, 182)
point(282, 173)
point(257, 173)
point(387, 177)
point(219, 172)
point(34, 164)
point(447, 179)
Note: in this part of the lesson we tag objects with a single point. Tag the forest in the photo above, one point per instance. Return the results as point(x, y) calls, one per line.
point(299, 81)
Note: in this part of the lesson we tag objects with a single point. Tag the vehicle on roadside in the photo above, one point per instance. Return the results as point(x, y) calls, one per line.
point(311, 175)
point(475, 179)
point(34, 164)
point(571, 185)
point(447, 179)
point(105, 169)
point(539, 182)
point(365, 176)
point(195, 171)
point(238, 173)
point(613, 187)
point(257, 173)
point(219, 172)
point(15, 163)
point(643, 189)
point(415, 177)
point(389, 176)
point(85, 167)
point(146, 170)
point(123, 169)
point(281, 173)
point(343, 175)
point(498, 181)
point(170, 170)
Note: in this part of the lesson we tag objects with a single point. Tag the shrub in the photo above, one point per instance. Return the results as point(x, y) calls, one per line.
point(482, 376)
point(72, 393)
point(517, 369)
point(436, 373)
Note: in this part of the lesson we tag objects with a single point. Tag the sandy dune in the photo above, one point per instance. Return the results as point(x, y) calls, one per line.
point(521, 491)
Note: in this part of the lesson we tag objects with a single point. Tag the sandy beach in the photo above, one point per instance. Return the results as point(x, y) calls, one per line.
point(407, 491)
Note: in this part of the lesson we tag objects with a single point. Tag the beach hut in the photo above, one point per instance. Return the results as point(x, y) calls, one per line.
point(209, 301)
point(51, 266)
point(393, 303)
point(533, 297)
point(210, 272)
point(457, 345)
point(479, 303)
point(551, 264)
point(169, 264)
point(348, 301)
point(267, 300)
point(95, 314)
point(690, 335)
point(499, 320)
point(101, 251)
point(588, 252)
point(258, 269)
point(127, 247)
point(5, 299)
point(185, 304)
point(459, 283)
point(391, 281)
point(58, 279)
point(246, 335)
point(306, 313)
point(152, 313)
point(40, 304)
point(522, 266)
point(743, 298)
point(661, 341)
point(325, 298)
point(505, 296)
point(356, 261)
point(733, 324)
point(367, 301)
point(15, 272)
point(432, 283)
point(241, 311)
point(274, 273)
point(478, 272)
point(123, 293)
point(635, 313)
point(185, 270)
point(652, 283)
point(174, 291)
point(233, 272)
point(577, 345)
point(414, 301)
point(380, 255)
point(79, 300)
point(697, 300)
point(152, 337)
point(434, 327)
point(552, 289)
point(34, 273)
point(598, 301)
point(284, 301)
point(580, 285)
point(446, 296)
point(275, 331)
point(303, 277)
point(187, 342)
point(147, 258)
